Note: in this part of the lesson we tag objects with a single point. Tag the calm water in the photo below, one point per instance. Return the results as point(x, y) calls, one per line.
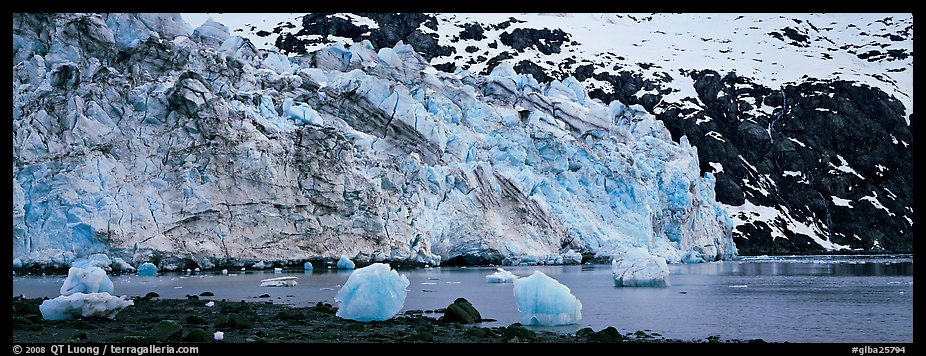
point(794, 299)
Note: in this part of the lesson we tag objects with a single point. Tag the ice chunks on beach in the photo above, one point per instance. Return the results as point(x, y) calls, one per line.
point(147, 269)
point(345, 263)
point(375, 292)
point(637, 268)
point(545, 301)
point(279, 282)
point(501, 276)
point(86, 280)
point(83, 304)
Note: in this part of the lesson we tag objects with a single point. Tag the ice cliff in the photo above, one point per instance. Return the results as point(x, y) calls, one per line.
point(141, 137)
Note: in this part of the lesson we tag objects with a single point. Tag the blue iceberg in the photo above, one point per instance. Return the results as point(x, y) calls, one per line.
point(545, 301)
point(372, 293)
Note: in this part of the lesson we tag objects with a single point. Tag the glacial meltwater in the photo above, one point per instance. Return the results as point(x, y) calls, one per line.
point(793, 299)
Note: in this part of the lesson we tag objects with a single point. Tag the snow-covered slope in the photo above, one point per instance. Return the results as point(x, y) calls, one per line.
point(787, 110)
point(142, 137)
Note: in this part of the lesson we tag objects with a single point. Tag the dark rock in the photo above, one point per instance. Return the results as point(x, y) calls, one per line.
point(529, 67)
point(472, 31)
point(197, 335)
point(477, 332)
point(517, 330)
point(192, 297)
point(355, 327)
point(324, 308)
point(135, 339)
point(80, 336)
point(152, 295)
point(235, 321)
point(264, 296)
point(20, 322)
point(461, 311)
point(609, 334)
point(206, 294)
point(166, 330)
point(584, 332)
point(544, 40)
point(290, 315)
point(195, 319)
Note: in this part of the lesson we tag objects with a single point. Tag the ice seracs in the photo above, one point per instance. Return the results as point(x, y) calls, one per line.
point(637, 268)
point(501, 276)
point(545, 301)
point(372, 293)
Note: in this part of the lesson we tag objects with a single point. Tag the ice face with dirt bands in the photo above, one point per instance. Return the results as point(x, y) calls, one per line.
point(372, 293)
point(545, 301)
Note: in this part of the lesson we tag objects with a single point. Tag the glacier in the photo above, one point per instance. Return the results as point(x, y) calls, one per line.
point(144, 138)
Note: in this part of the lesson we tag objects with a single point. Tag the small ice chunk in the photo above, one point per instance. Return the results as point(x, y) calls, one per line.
point(374, 292)
point(196, 270)
point(210, 304)
point(637, 268)
point(279, 282)
point(225, 271)
point(218, 336)
point(147, 269)
point(545, 301)
point(83, 304)
point(86, 280)
point(502, 276)
point(258, 265)
point(277, 270)
point(345, 263)
point(308, 266)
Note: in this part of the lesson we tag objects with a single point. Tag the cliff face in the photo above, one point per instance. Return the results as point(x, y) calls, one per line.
point(138, 136)
point(804, 120)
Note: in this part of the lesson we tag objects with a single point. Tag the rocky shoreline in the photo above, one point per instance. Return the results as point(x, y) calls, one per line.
point(155, 320)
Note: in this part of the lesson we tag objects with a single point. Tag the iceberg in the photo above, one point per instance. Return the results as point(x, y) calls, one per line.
point(545, 301)
point(501, 276)
point(637, 268)
point(103, 305)
point(372, 293)
point(147, 269)
point(345, 263)
point(86, 280)
point(279, 282)
point(308, 266)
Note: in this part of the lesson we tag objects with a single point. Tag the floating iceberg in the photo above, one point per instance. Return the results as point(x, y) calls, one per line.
point(545, 301)
point(83, 304)
point(502, 276)
point(147, 269)
point(375, 292)
point(308, 266)
point(345, 263)
point(86, 280)
point(279, 282)
point(637, 268)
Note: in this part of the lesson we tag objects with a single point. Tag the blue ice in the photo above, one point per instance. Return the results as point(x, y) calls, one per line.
point(545, 301)
point(372, 293)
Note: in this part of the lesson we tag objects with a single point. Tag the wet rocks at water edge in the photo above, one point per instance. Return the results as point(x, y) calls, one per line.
point(461, 311)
